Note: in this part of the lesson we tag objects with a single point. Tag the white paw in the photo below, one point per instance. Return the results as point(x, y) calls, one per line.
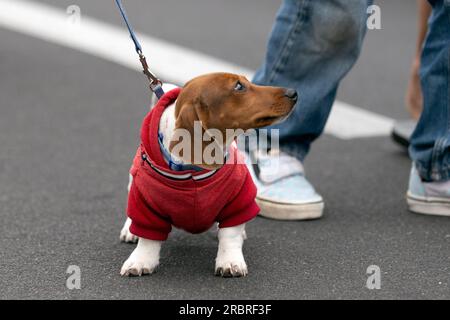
point(231, 265)
point(138, 265)
point(126, 235)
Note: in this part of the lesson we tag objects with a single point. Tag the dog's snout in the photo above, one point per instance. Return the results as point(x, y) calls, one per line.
point(291, 94)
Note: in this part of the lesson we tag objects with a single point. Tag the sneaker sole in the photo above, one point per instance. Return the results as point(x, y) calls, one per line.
point(433, 206)
point(277, 211)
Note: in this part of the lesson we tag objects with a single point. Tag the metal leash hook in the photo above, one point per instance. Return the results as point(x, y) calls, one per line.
point(155, 83)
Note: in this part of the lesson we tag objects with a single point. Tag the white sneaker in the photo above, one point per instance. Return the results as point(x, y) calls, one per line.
point(428, 197)
point(283, 191)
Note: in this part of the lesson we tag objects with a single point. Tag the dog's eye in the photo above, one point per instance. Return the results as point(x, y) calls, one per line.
point(239, 86)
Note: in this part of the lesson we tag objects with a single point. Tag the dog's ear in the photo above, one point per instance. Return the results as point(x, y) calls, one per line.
point(185, 116)
point(188, 110)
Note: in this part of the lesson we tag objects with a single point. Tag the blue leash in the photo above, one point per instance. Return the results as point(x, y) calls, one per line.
point(155, 83)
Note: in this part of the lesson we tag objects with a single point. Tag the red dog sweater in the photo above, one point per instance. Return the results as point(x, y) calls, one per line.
point(191, 200)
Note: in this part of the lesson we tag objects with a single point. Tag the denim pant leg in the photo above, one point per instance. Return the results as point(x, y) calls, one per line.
point(313, 44)
point(430, 142)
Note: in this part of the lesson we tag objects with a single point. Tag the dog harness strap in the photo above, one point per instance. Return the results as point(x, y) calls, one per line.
point(155, 83)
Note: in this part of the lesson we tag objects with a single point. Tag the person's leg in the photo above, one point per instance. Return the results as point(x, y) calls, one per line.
point(403, 129)
point(313, 44)
point(430, 142)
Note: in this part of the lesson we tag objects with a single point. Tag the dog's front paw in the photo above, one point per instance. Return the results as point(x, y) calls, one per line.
point(137, 265)
point(231, 266)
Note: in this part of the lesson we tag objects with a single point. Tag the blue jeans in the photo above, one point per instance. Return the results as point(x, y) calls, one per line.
point(430, 143)
point(314, 44)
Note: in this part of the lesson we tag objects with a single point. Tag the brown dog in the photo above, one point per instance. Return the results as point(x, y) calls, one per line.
point(209, 105)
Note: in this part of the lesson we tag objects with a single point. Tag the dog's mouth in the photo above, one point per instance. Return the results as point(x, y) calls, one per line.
point(278, 114)
point(269, 119)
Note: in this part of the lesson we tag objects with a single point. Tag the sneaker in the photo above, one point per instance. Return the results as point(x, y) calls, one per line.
point(428, 197)
point(283, 191)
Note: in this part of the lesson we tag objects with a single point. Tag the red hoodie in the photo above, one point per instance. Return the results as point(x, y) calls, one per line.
point(160, 197)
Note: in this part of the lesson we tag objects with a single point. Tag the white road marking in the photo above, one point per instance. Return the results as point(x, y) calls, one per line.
point(171, 62)
point(350, 122)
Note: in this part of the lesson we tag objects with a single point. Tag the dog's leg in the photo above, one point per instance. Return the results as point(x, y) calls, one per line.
point(230, 260)
point(143, 260)
point(125, 234)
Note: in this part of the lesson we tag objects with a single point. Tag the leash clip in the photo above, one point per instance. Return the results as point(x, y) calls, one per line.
point(154, 81)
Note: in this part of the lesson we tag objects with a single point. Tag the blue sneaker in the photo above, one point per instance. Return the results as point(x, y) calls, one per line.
point(283, 191)
point(428, 197)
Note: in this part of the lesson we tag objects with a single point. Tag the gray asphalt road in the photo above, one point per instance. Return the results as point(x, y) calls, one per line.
point(68, 130)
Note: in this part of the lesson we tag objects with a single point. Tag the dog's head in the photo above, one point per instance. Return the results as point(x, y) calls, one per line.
point(222, 102)
point(229, 101)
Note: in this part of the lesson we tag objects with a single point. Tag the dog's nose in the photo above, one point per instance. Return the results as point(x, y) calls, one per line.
point(291, 94)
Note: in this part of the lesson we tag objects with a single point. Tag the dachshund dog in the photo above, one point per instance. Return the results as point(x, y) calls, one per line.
point(173, 186)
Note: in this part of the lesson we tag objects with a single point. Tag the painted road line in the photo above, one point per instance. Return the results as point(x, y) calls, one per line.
point(350, 122)
point(171, 62)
